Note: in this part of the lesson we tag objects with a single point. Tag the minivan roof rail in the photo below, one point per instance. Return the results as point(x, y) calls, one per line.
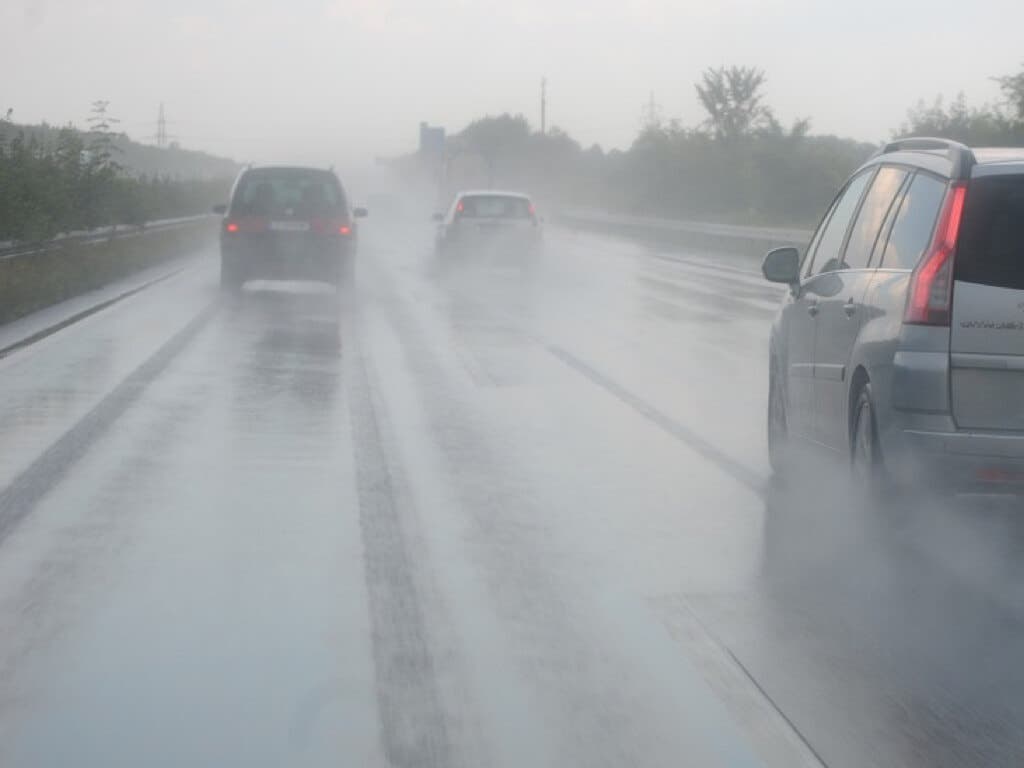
point(959, 154)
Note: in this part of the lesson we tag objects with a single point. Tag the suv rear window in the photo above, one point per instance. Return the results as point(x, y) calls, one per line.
point(289, 193)
point(495, 207)
point(991, 247)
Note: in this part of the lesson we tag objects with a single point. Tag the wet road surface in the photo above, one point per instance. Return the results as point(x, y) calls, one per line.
point(469, 516)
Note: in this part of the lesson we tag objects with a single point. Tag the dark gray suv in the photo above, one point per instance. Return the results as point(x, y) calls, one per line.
point(900, 345)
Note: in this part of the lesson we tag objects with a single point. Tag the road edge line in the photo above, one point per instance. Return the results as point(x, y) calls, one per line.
point(736, 469)
point(77, 317)
point(773, 735)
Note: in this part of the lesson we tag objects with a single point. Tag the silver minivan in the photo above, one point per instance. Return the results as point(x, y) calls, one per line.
point(900, 345)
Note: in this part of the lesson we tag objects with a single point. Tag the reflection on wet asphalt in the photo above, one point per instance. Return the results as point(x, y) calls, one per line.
point(472, 515)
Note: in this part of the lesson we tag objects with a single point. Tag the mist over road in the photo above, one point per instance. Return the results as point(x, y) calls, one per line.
point(469, 516)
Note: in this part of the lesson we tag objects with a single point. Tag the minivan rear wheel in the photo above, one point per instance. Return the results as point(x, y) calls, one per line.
point(778, 430)
point(230, 279)
point(866, 466)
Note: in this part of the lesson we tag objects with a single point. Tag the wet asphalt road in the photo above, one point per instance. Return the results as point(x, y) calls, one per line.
point(469, 517)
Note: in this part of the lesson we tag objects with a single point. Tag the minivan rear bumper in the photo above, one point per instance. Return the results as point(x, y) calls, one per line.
point(307, 258)
point(961, 460)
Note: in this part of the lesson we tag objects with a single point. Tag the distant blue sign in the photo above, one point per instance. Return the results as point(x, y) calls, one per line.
point(432, 139)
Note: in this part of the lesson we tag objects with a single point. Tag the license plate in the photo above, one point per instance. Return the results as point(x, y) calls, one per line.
point(289, 226)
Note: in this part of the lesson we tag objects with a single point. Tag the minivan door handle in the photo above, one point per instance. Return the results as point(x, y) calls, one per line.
point(850, 308)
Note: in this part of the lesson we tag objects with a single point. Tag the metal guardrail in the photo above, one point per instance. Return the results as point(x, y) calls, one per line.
point(9, 250)
point(754, 236)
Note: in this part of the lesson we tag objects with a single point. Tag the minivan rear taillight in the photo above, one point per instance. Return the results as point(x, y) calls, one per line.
point(245, 225)
point(331, 226)
point(931, 285)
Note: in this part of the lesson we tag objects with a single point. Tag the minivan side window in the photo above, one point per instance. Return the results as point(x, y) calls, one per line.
point(826, 256)
point(805, 264)
point(915, 221)
point(873, 212)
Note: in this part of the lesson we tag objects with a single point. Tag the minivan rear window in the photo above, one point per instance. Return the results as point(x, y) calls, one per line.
point(991, 246)
point(288, 193)
point(495, 207)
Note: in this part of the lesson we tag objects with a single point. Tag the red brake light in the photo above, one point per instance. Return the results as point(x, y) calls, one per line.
point(931, 285)
point(460, 207)
point(246, 224)
point(330, 226)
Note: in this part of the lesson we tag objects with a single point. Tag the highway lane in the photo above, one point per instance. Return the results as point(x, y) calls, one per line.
point(474, 516)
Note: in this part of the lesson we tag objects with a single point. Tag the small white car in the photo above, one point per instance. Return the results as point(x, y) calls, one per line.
point(489, 222)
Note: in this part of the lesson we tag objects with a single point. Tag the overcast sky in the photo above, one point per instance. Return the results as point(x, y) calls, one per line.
point(343, 80)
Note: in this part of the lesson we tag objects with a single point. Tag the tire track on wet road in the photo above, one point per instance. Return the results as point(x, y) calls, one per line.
point(19, 499)
point(414, 731)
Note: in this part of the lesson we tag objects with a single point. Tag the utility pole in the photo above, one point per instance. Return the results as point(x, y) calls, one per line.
point(543, 106)
point(161, 128)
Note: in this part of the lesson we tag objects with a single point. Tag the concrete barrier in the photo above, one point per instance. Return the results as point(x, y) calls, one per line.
point(749, 241)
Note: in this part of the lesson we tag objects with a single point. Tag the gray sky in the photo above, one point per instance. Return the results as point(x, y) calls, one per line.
point(341, 80)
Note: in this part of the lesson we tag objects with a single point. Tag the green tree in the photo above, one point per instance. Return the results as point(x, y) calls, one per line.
point(54, 180)
point(975, 126)
point(733, 98)
point(498, 141)
point(101, 127)
point(5, 126)
point(1013, 90)
point(99, 182)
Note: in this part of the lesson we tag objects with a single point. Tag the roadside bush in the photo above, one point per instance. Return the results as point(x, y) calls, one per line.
point(52, 188)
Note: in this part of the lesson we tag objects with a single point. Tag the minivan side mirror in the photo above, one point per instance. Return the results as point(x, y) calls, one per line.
point(782, 265)
point(220, 208)
point(360, 213)
point(438, 217)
